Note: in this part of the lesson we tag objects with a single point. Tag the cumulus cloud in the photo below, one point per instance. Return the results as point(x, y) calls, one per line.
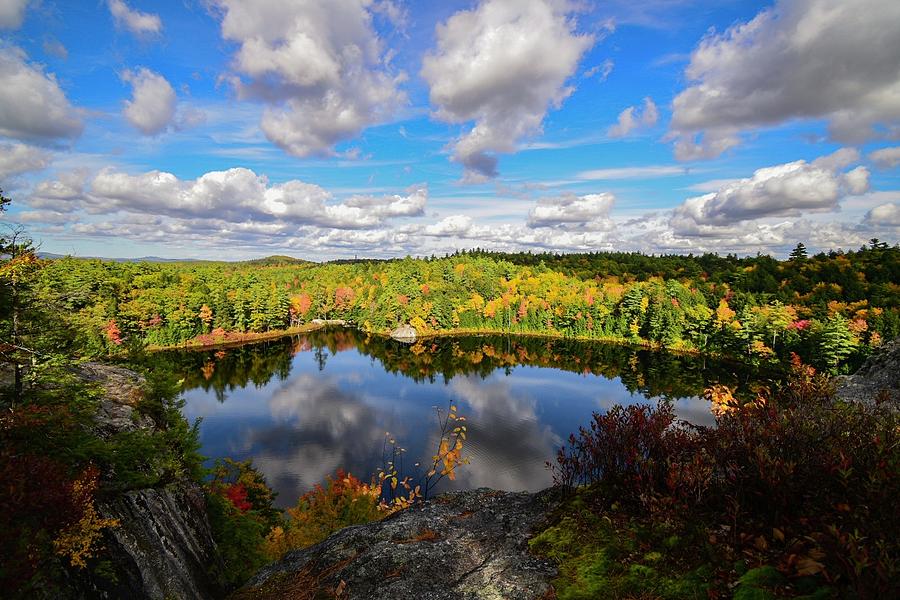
point(804, 59)
point(501, 65)
point(137, 22)
point(633, 117)
point(886, 158)
point(884, 215)
point(320, 67)
point(790, 189)
point(454, 225)
point(12, 13)
point(61, 195)
point(32, 105)
point(590, 212)
point(153, 100)
point(16, 159)
point(237, 196)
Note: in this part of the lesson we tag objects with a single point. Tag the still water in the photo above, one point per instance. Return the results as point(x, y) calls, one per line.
point(303, 407)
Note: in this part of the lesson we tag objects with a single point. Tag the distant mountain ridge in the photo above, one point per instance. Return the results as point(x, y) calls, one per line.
point(266, 261)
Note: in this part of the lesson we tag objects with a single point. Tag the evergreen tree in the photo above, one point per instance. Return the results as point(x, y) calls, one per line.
point(798, 254)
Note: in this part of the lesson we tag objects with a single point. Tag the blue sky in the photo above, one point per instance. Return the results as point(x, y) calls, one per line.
point(238, 128)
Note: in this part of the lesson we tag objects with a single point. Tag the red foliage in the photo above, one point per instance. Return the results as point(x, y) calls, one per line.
point(237, 495)
point(36, 502)
point(343, 296)
point(824, 474)
point(304, 302)
point(113, 334)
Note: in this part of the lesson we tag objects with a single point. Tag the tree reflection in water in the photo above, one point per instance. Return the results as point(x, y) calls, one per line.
point(302, 407)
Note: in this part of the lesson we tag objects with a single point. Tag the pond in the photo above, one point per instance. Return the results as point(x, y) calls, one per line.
point(304, 406)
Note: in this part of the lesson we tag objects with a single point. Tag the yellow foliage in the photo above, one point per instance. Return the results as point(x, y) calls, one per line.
point(343, 501)
point(724, 314)
point(721, 398)
point(76, 542)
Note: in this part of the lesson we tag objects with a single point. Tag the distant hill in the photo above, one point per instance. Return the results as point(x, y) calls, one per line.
point(275, 260)
point(268, 261)
point(52, 256)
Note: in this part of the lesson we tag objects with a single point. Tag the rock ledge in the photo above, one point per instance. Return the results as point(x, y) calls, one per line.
point(461, 545)
point(879, 374)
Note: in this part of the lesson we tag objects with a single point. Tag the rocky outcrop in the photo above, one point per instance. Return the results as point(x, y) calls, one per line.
point(162, 547)
point(405, 333)
point(879, 376)
point(461, 545)
point(122, 391)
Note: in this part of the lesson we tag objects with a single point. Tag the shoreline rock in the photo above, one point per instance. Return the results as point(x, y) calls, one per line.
point(405, 333)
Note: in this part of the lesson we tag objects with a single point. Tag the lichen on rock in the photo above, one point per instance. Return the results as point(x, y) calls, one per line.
point(461, 545)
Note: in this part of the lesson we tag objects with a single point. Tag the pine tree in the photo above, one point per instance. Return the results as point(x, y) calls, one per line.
point(798, 254)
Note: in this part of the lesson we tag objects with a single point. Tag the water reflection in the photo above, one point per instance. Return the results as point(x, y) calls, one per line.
point(302, 407)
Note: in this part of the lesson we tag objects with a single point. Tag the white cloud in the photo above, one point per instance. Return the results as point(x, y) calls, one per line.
point(501, 65)
point(139, 23)
point(632, 118)
point(16, 159)
point(62, 195)
point(32, 105)
point(789, 189)
point(319, 67)
point(886, 158)
point(153, 100)
point(632, 172)
point(12, 13)
point(803, 59)
point(885, 215)
point(590, 212)
point(455, 225)
point(237, 196)
point(603, 69)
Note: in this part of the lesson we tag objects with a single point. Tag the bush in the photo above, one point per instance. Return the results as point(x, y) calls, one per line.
point(793, 479)
point(343, 501)
point(241, 513)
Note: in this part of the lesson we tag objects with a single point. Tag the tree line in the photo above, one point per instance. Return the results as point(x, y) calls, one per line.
point(830, 308)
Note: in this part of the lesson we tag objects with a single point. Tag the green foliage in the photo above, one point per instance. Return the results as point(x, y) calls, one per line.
point(239, 539)
point(241, 513)
point(671, 301)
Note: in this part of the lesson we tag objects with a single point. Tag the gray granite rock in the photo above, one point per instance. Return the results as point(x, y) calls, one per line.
point(405, 333)
point(880, 374)
point(461, 545)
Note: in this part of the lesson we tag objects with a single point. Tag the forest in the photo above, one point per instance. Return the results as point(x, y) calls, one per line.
point(831, 308)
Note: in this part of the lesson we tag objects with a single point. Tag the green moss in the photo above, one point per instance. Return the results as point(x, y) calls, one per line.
point(597, 559)
point(758, 584)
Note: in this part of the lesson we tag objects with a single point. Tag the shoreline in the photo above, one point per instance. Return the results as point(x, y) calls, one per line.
point(234, 339)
